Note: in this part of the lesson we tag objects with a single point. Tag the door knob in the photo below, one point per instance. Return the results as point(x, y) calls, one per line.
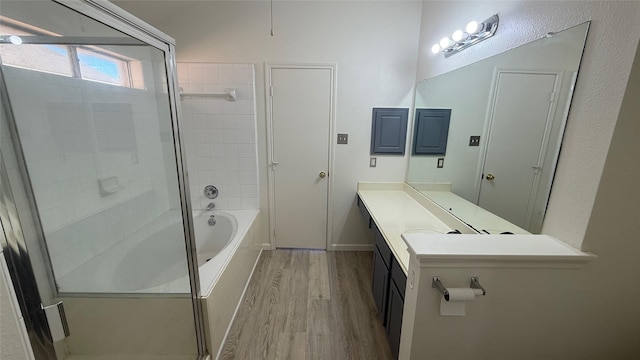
point(322, 174)
point(490, 177)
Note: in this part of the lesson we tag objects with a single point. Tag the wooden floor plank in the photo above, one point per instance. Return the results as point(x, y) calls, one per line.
point(308, 304)
point(319, 276)
point(320, 342)
point(292, 346)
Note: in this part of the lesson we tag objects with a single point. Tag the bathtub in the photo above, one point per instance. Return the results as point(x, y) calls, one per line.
point(152, 261)
point(216, 244)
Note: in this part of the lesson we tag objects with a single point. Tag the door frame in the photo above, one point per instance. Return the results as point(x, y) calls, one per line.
point(268, 66)
point(544, 148)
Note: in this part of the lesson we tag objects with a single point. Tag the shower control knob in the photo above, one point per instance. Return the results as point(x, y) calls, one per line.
point(210, 192)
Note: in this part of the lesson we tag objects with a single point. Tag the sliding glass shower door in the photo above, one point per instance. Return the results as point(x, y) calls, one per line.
point(89, 145)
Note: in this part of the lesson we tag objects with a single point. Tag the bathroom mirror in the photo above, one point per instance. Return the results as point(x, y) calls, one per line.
point(517, 103)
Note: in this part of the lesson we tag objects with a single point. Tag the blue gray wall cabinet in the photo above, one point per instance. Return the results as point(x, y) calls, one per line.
point(389, 130)
point(431, 131)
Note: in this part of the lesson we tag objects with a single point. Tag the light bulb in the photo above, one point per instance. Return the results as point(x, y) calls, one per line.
point(472, 27)
point(457, 35)
point(435, 48)
point(15, 39)
point(445, 42)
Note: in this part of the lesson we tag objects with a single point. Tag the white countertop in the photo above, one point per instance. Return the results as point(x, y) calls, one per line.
point(396, 212)
point(471, 213)
point(409, 227)
point(541, 248)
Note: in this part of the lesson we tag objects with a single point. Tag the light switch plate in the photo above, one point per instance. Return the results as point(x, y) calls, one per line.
point(440, 163)
point(343, 138)
point(372, 162)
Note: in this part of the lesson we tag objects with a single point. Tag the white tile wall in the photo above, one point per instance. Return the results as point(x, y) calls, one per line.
point(220, 135)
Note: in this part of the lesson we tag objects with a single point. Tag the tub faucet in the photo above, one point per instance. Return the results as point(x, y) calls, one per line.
point(211, 206)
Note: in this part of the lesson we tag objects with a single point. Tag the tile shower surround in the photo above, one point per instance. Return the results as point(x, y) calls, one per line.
point(220, 135)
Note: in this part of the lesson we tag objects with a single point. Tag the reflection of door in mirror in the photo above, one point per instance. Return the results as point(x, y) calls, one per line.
point(522, 110)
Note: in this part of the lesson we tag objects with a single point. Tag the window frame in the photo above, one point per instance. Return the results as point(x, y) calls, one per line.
point(123, 63)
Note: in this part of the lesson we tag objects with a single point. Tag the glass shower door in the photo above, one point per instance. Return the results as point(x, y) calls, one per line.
point(94, 170)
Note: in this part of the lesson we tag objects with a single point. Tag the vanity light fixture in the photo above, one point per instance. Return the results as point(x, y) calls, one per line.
point(473, 34)
point(11, 39)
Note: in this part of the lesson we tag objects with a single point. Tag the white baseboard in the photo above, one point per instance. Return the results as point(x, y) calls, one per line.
point(352, 247)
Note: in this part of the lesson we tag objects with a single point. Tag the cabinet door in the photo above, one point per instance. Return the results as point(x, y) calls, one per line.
point(431, 131)
point(394, 319)
point(389, 130)
point(382, 247)
point(364, 212)
point(380, 285)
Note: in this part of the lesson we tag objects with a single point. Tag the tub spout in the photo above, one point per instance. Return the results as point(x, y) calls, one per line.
point(210, 206)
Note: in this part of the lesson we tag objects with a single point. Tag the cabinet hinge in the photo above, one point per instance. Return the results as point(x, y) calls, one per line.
point(271, 91)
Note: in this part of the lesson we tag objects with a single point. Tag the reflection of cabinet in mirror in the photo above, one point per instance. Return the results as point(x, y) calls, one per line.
point(431, 131)
point(518, 105)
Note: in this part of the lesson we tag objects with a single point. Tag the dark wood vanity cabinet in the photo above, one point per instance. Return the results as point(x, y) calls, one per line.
point(364, 212)
point(387, 284)
point(395, 307)
point(380, 285)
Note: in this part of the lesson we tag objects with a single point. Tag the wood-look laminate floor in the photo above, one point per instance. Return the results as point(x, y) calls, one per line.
point(308, 304)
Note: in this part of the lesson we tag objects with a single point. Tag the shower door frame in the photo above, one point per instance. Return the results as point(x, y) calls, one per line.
point(21, 270)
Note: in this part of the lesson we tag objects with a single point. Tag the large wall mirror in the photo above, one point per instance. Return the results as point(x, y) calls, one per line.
point(517, 103)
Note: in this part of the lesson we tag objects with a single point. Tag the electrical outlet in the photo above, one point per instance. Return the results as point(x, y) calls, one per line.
point(372, 162)
point(343, 138)
point(440, 163)
point(474, 141)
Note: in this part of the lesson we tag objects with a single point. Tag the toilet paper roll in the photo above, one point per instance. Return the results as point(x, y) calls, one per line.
point(463, 294)
point(458, 297)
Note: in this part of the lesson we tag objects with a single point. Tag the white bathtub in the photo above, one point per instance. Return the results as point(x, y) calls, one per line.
point(216, 244)
point(152, 261)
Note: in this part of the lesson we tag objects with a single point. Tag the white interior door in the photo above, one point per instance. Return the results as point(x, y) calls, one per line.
point(301, 108)
point(522, 112)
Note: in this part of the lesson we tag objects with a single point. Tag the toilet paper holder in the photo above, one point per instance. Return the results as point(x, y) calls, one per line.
point(437, 284)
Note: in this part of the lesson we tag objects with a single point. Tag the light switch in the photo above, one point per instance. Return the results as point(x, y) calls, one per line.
point(343, 138)
point(440, 163)
point(372, 162)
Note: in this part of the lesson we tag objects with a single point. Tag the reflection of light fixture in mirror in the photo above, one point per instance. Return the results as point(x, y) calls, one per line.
point(10, 39)
point(460, 40)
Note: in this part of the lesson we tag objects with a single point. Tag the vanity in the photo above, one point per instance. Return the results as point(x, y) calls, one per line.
point(459, 257)
point(415, 238)
point(390, 210)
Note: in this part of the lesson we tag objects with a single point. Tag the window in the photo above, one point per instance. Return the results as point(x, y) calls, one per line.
point(86, 62)
point(101, 67)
